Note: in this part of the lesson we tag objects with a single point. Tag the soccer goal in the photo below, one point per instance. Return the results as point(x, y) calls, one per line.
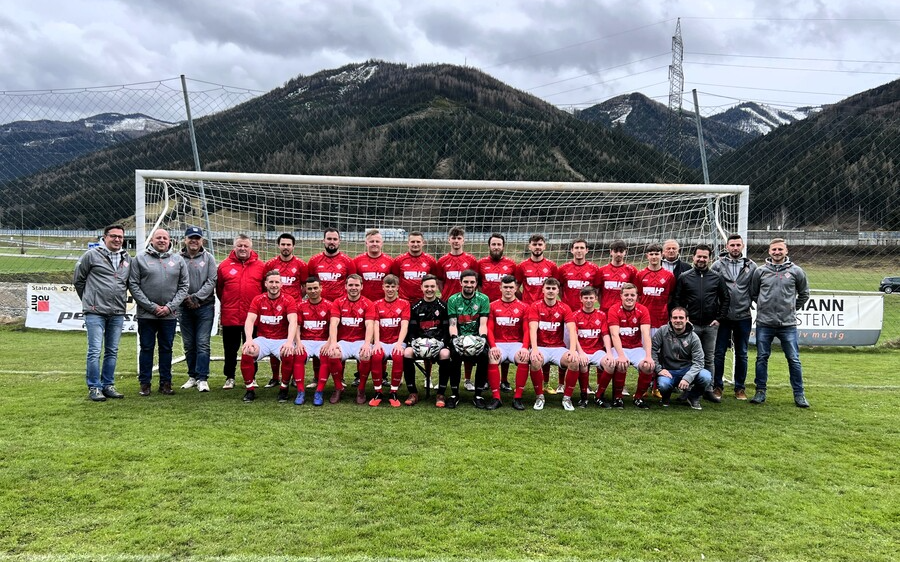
point(264, 205)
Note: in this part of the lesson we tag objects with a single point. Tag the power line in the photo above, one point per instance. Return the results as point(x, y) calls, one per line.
point(793, 58)
point(769, 89)
point(597, 71)
point(604, 82)
point(795, 69)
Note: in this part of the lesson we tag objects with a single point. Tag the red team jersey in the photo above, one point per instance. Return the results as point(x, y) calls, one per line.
point(411, 269)
point(491, 272)
point(272, 315)
point(312, 320)
point(293, 275)
point(449, 267)
point(551, 322)
point(591, 327)
point(373, 271)
point(352, 314)
point(610, 281)
point(332, 272)
point(531, 275)
point(654, 288)
point(629, 323)
point(506, 322)
point(389, 316)
point(574, 278)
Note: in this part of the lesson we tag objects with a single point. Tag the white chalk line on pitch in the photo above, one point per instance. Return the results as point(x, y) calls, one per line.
point(248, 558)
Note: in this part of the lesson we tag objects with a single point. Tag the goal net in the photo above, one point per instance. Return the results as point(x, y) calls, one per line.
point(264, 205)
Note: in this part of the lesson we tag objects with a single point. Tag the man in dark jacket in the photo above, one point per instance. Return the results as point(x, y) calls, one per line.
point(706, 297)
point(671, 262)
point(101, 281)
point(678, 358)
point(198, 309)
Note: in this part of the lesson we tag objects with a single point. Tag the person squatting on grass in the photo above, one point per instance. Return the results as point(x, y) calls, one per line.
point(101, 281)
point(678, 360)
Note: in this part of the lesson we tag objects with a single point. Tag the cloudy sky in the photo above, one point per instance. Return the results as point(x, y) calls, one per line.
point(568, 52)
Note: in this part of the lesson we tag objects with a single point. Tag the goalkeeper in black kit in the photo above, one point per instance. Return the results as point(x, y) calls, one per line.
point(428, 337)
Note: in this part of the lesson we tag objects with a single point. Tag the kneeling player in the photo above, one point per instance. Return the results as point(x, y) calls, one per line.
point(629, 329)
point(391, 318)
point(594, 348)
point(428, 337)
point(313, 314)
point(275, 316)
point(550, 324)
point(506, 334)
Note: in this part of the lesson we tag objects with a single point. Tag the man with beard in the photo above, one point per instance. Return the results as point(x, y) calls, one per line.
point(332, 266)
point(468, 311)
point(413, 266)
point(428, 320)
point(293, 275)
point(449, 271)
point(678, 360)
point(531, 274)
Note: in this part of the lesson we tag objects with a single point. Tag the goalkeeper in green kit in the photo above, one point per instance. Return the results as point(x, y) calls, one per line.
point(468, 311)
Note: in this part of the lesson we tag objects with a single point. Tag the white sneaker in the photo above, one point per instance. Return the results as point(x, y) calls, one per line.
point(202, 386)
point(191, 383)
point(229, 384)
point(311, 384)
point(560, 389)
point(591, 390)
point(625, 392)
point(539, 402)
point(567, 404)
point(469, 386)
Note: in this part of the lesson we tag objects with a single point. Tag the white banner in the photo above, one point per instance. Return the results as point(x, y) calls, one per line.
point(57, 307)
point(831, 319)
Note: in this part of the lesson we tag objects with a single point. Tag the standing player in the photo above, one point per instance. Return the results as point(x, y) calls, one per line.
point(391, 318)
point(332, 266)
point(506, 336)
point(655, 285)
point(273, 315)
point(594, 348)
point(532, 272)
point(550, 324)
point(373, 265)
point(629, 330)
point(449, 268)
point(313, 319)
point(613, 275)
point(468, 311)
point(350, 336)
point(428, 320)
point(413, 266)
point(293, 275)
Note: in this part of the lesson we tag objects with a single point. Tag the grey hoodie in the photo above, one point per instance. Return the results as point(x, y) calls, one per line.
point(779, 291)
point(158, 279)
point(737, 274)
point(102, 288)
point(677, 351)
point(202, 270)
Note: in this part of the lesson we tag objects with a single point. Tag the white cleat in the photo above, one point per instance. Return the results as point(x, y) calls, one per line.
point(229, 384)
point(567, 404)
point(539, 402)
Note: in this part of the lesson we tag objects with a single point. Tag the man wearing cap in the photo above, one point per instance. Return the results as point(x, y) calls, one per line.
point(198, 309)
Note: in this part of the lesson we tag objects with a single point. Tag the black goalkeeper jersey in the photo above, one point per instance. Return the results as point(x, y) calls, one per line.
point(429, 320)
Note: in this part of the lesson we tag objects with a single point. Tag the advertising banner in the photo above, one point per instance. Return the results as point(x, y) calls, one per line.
point(831, 319)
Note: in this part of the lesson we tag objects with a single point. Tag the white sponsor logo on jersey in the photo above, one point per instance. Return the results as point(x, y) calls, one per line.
point(628, 331)
point(288, 280)
point(453, 274)
point(613, 285)
point(347, 321)
point(493, 277)
point(589, 333)
point(268, 319)
point(314, 324)
point(506, 321)
point(654, 291)
point(389, 322)
point(372, 276)
point(576, 284)
point(535, 281)
point(549, 326)
point(413, 274)
point(329, 276)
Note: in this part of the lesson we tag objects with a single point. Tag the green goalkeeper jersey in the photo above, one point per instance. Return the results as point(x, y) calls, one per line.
point(468, 312)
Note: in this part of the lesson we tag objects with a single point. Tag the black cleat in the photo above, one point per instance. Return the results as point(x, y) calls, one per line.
point(452, 401)
point(282, 394)
point(601, 403)
point(479, 402)
point(273, 382)
point(355, 382)
point(641, 404)
point(517, 404)
point(250, 395)
point(504, 387)
point(494, 404)
point(618, 404)
point(583, 403)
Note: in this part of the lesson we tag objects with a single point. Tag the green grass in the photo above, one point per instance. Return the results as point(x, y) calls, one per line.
point(197, 476)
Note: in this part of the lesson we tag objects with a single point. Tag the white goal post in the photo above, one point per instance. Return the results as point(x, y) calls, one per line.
point(262, 206)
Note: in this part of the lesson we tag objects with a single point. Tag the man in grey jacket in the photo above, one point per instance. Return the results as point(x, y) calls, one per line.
point(779, 290)
point(101, 281)
point(198, 309)
point(737, 271)
point(678, 356)
point(158, 283)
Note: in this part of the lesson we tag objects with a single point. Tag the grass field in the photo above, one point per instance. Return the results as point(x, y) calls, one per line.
point(203, 476)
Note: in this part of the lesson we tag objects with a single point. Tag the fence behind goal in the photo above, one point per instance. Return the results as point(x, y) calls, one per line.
point(264, 205)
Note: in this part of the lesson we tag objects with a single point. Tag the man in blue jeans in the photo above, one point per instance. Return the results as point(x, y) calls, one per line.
point(779, 290)
point(678, 357)
point(198, 309)
point(101, 281)
point(737, 271)
point(158, 282)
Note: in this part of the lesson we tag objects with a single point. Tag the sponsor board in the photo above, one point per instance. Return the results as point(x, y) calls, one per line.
point(838, 320)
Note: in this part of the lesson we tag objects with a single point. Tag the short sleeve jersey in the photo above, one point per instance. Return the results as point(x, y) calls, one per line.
point(551, 321)
point(575, 277)
point(373, 271)
point(468, 312)
point(293, 275)
point(313, 319)
point(654, 289)
point(610, 280)
point(629, 323)
point(591, 327)
point(449, 268)
point(352, 314)
point(389, 316)
point(428, 319)
point(531, 275)
point(411, 269)
point(506, 321)
point(491, 272)
point(272, 315)
point(332, 272)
